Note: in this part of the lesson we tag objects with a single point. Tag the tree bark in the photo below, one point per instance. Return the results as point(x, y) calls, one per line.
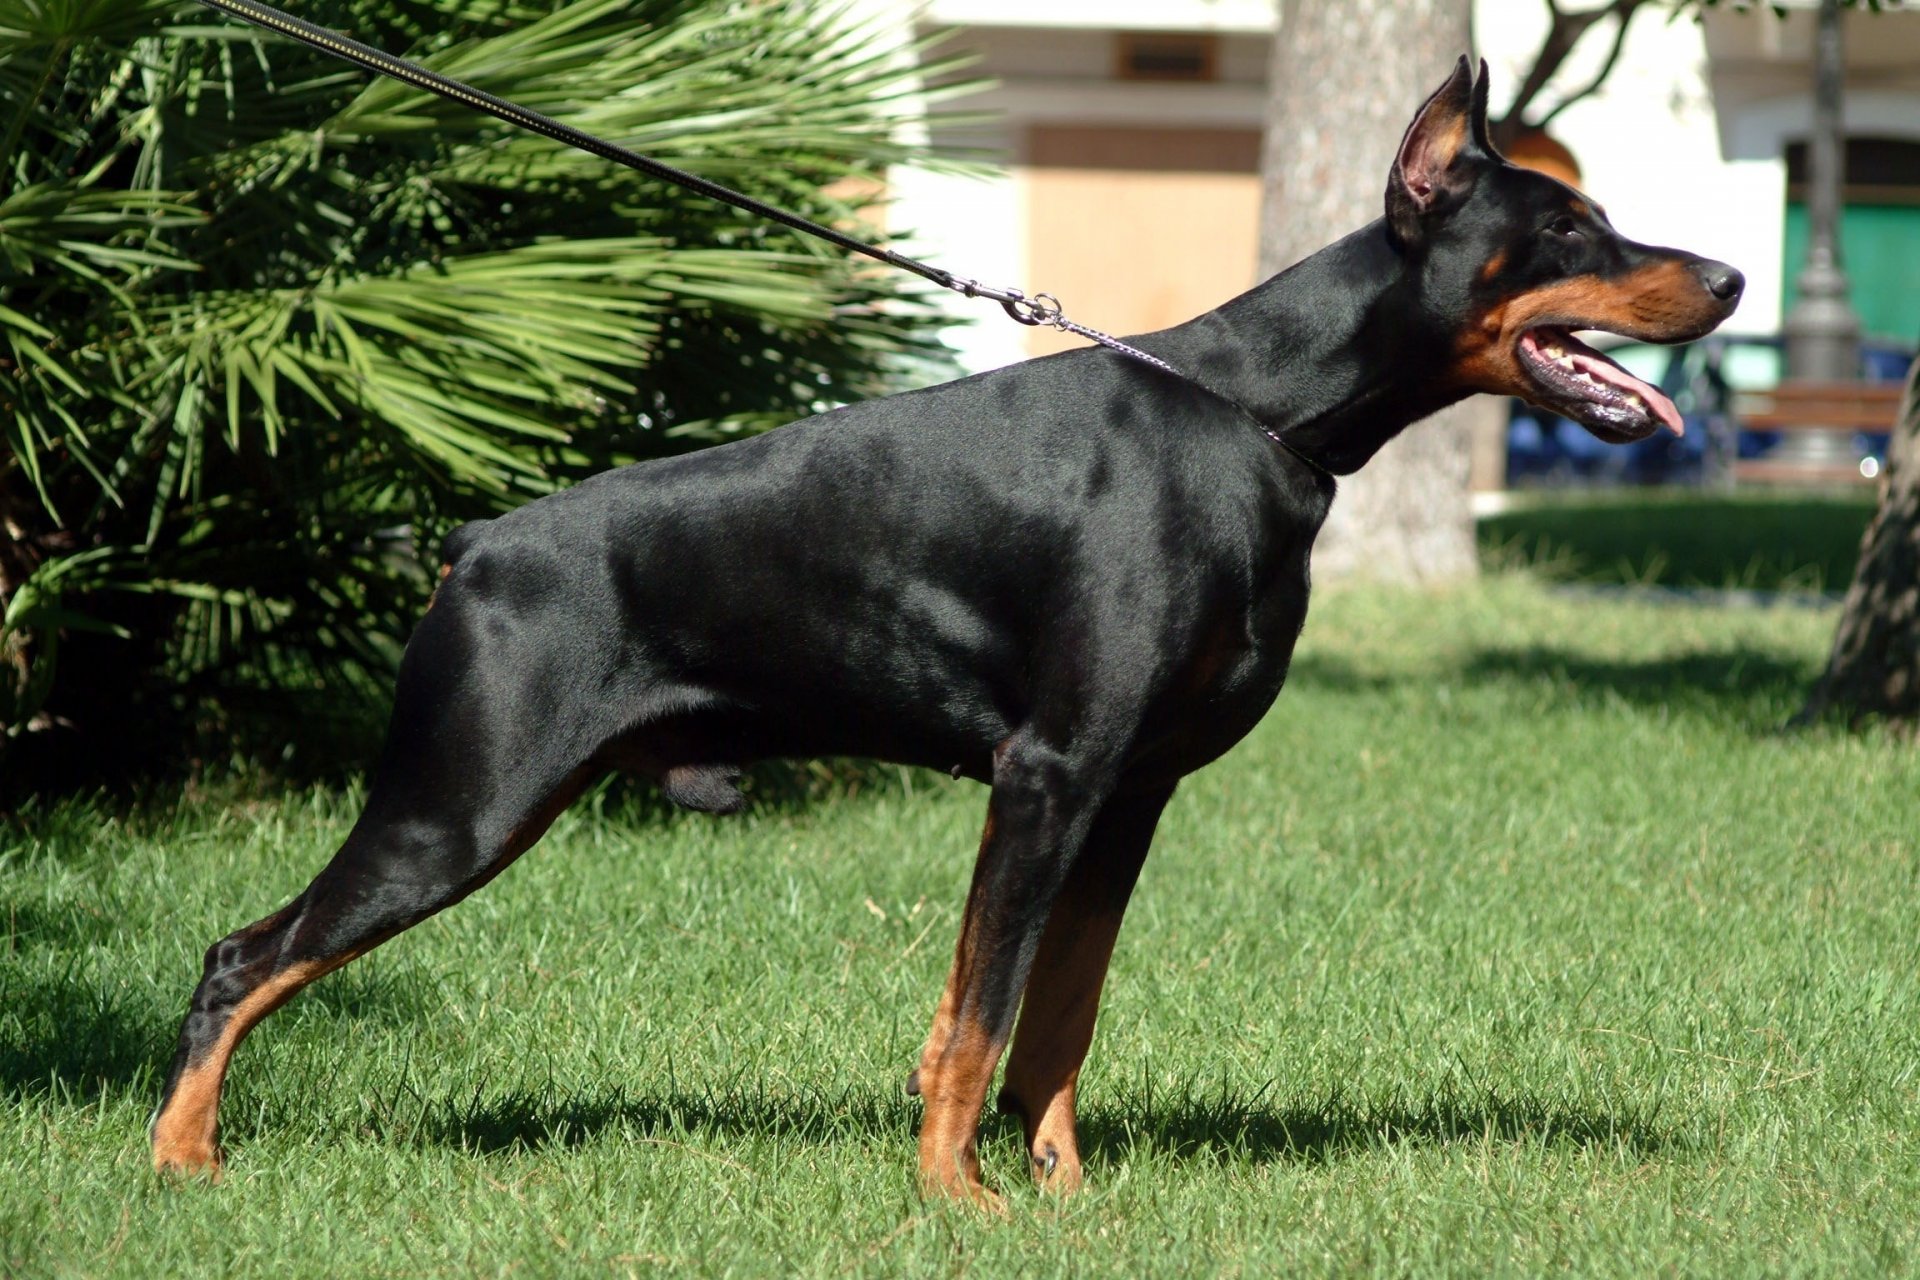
point(1874, 670)
point(1345, 80)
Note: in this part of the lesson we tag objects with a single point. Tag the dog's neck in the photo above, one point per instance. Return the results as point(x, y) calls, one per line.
point(1330, 355)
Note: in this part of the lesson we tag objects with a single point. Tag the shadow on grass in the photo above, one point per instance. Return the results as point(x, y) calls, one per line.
point(397, 994)
point(1337, 674)
point(1748, 684)
point(524, 1120)
point(69, 820)
point(1322, 1133)
point(77, 1037)
point(1685, 539)
point(1226, 1127)
point(1751, 684)
point(29, 926)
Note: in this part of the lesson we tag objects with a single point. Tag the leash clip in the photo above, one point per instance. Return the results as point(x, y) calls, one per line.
point(1040, 309)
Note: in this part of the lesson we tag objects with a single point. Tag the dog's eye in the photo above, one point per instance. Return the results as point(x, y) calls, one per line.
point(1563, 226)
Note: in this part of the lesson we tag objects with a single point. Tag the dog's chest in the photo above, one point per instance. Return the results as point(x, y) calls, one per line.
point(1228, 677)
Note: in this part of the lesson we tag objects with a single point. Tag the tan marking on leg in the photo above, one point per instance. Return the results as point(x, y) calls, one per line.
point(956, 1066)
point(942, 1029)
point(954, 1088)
point(1055, 1030)
point(949, 1165)
point(1053, 1146)
point(183, 1133)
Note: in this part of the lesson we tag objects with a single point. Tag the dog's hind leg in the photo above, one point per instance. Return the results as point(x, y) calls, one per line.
point(1063, 991)
point(470, 778)
point(1041, 809)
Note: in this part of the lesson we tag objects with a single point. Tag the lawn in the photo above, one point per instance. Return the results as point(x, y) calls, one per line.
point(1684, 538)
point(1518, 939)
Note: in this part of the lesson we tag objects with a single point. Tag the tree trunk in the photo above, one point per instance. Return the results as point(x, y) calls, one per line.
point(1345, 80)
point(1875, 666)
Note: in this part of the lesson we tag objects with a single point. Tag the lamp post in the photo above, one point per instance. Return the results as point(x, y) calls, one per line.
point(1822, 329)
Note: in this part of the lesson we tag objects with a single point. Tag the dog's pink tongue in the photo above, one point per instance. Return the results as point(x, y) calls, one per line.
point(1607, 371)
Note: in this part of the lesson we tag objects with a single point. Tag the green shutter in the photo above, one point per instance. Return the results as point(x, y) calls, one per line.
point(1880, 246)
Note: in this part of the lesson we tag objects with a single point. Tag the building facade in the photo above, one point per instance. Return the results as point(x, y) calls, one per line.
point(1129, 131)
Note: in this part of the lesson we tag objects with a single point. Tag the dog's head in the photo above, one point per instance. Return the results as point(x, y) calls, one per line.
point(1529, 260)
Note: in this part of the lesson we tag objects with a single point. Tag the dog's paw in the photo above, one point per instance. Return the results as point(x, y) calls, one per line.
point(187, 1162)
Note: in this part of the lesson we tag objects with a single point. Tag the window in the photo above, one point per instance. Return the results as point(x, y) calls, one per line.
point(1879, 225)
point(1158, 55)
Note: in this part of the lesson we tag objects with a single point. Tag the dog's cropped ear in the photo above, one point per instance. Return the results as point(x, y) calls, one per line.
point(1482, 135)
point(1432, 167)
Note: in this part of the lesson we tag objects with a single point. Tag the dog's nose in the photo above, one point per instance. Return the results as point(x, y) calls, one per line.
point(1722, 281)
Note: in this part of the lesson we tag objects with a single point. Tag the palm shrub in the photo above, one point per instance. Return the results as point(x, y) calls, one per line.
point(268, 327)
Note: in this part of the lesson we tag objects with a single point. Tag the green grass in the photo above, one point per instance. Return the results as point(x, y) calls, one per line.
point(1684, 538)
point(1516, 940)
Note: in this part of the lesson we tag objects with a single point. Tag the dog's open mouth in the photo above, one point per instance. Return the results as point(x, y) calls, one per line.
point(1573, 379)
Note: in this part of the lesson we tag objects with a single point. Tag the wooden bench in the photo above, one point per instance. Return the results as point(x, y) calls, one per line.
point(1840, 407)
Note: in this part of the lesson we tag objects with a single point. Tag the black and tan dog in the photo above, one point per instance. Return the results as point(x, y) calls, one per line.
point(1077, 579)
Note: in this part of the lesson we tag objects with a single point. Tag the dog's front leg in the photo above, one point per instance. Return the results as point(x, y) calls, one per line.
point(1063, 990)
point(1043, 804)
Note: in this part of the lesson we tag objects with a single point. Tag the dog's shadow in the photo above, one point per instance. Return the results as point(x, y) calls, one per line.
point(524, 1120)
point(1326, 1130)
point(76, 1037)
point(79, 1035)
point(1317, 1131)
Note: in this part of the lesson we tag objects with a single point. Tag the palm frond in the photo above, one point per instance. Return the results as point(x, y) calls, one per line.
point(268, 326)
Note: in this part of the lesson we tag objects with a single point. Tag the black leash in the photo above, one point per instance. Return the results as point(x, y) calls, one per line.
point(1040, 309)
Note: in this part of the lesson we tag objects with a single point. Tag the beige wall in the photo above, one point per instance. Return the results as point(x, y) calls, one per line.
point(1135, 229)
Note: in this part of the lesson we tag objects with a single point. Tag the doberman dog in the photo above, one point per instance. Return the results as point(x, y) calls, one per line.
point(1077, 579)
